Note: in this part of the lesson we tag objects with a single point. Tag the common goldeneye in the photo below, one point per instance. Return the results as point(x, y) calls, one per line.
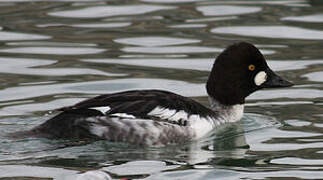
point(157, 117)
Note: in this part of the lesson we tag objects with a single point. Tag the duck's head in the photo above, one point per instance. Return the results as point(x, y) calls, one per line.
point(238, 71)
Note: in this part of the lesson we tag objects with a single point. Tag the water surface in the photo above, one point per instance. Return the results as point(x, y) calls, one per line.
point(57, 53)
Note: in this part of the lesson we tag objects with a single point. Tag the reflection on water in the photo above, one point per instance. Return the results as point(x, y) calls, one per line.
point(286, 32)
point(315, 18)
point(34, 171)
point(57, 53)
point(315, 76)
point(100, 87)
point(102, 25)
point(103, 11)
point(221, 10)
point(189, 26)
point(155, 41)
point(35, 67)
point(171, 49)
point(53, 50)
point(12, 36)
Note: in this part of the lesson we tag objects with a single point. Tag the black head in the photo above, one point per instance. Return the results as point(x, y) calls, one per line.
point(238, 71)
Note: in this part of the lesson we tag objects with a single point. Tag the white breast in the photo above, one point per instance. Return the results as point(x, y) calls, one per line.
point(198, 125)
point(227, 113)
point(202, 126)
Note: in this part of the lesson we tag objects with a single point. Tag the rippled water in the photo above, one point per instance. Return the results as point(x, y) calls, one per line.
point(56, 53)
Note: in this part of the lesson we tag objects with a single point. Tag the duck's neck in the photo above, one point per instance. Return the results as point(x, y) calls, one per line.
point(227, 113)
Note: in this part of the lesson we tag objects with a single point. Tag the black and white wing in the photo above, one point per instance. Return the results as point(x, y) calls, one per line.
point(145, 104)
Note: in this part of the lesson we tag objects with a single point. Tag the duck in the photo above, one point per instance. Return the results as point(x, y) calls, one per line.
point(155, 117)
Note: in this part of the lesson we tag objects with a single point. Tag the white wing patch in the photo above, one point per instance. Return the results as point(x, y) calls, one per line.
point(105, 109)
point(162, 113)
point(260, 78)
point(102, 109)
point(168, 114)
point(123, 115)
point(179, 115)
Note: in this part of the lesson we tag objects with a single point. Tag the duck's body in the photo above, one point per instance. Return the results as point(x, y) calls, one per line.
point(156, 117)
point(144, 117)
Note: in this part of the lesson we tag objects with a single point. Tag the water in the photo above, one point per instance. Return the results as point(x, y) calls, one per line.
point(56, 53)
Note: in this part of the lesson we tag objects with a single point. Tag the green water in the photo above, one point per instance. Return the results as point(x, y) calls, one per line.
point(56, 53)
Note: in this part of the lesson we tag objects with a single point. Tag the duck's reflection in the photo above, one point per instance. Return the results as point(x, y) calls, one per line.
point(227, 141)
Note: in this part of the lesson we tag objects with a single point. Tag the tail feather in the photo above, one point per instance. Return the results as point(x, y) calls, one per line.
point(68, 124)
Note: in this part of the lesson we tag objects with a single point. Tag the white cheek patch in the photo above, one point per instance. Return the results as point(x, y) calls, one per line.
point(260, 78)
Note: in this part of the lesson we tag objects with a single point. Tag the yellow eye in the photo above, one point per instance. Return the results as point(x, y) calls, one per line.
point(251, 67)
